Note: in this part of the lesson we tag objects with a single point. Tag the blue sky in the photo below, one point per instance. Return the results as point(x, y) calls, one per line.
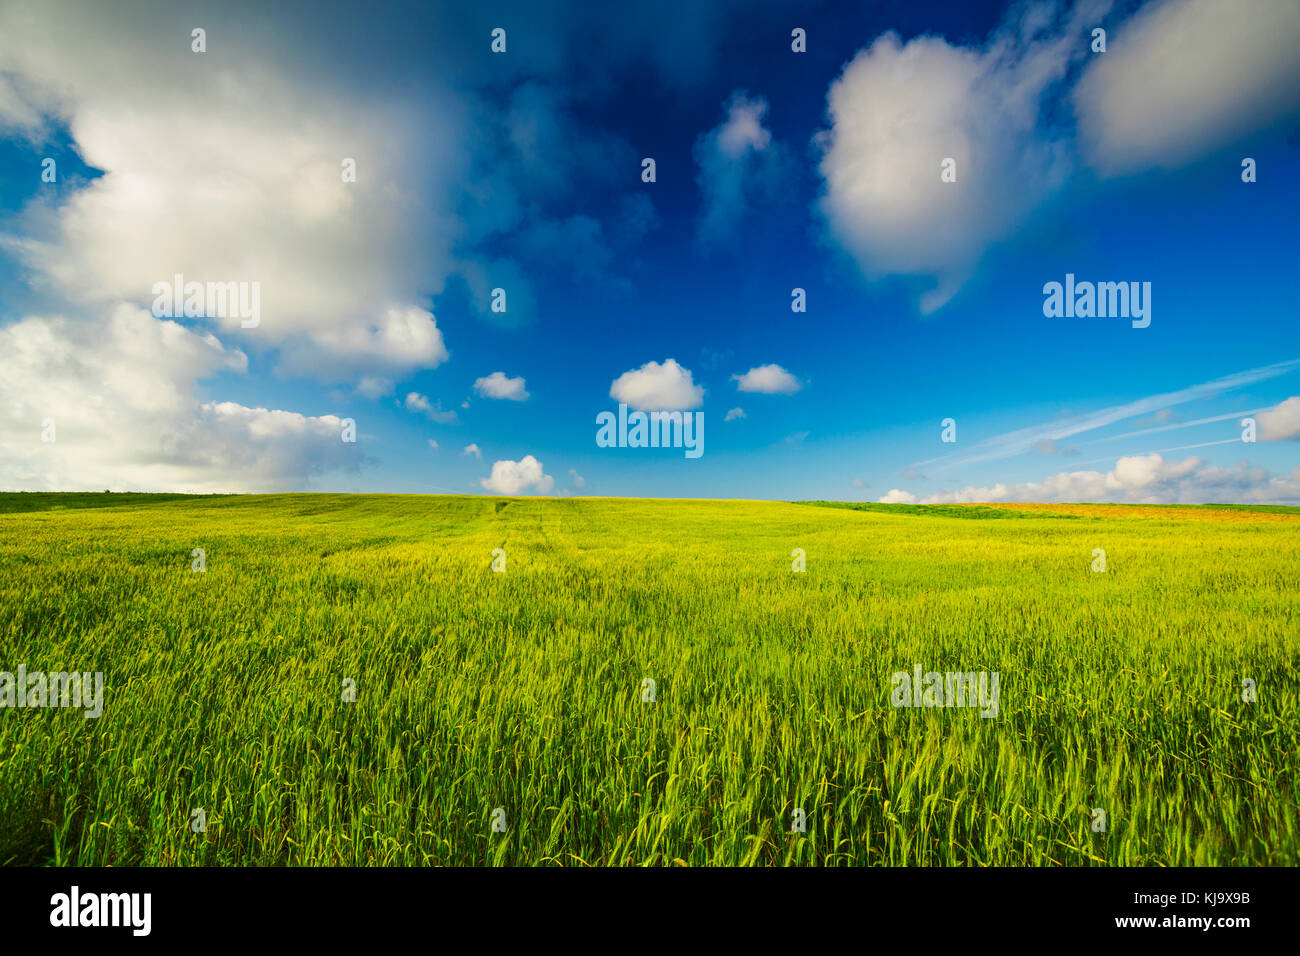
point(774, 170)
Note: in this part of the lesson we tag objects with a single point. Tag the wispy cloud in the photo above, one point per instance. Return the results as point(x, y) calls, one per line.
point(1165, 428)
point(1022, 440)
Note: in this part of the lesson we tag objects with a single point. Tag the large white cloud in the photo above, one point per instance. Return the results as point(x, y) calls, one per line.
point(655, 387)
point(231, 171)
point(1136, 479)
point(899, 110)
point(1185, 76)
point(512, 477)
point(125, 416)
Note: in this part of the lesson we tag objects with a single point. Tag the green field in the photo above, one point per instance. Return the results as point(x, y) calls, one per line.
point(524, 690)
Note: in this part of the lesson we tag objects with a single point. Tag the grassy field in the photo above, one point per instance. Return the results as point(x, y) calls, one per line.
point(524, 690)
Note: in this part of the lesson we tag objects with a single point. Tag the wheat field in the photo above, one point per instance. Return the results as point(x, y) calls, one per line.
point(348, 681)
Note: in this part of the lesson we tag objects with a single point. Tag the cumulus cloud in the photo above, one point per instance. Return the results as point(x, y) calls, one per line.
point(899, 110)
point(1183, 77)
point(733, 414)
point(512, 477)
point(249, 189)
point(1281, 423)
point(1137, 479)
point(473, 450)
point(125, 416)
point(433, 444)
point(1179, 79)
point(656, 387)
point(767, 380)
point(859, 483)
point(497, 385)
point(578, 481)
point(415, 402)
point(738, 163)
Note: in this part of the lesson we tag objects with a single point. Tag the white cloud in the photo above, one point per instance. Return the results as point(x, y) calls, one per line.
point(121, 395)
point(1281, 423)
point(733, 414)
point(737, 162)
point(415, 402)
point(497, 385)
point(1183, 77)
point(578, 481)
point(767, 380)
point(433, 444)
point(655, 387)
point(248, 188)
point(898, 497)
point(859, 483)
point(899, 109)
point(512, 477)
point(473, 450)
point(1139, 479)
point(396, 341)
